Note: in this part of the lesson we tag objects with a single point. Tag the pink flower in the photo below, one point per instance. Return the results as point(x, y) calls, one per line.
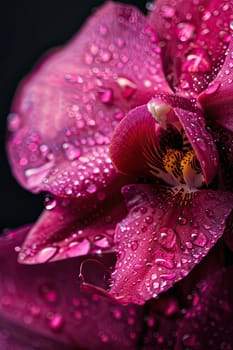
point(141, 105)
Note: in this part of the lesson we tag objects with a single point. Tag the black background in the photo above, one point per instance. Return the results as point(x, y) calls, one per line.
point(27, 30)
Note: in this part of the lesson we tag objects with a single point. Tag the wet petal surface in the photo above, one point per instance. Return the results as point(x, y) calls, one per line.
point(65, 111)
point(216, 100)
point(194, 36)
point(73, 228)
point(209, 323)
point(163, 237)
point(46, 300)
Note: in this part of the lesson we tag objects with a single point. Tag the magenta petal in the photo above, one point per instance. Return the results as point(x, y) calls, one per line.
point(73, 228)
point(65, 111)
point(216, 100)
point(202, 143)
point(209, 323)
point(163, 238)
point(194, 38)
point(46, 299)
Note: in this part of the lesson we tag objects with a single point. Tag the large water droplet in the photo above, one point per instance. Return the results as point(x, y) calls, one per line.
point(168, 11)
point(106, 96)
point(46, 254)
point(48, 293)
point(185, 31)
point(50, 202)
point(14, 122)
point(56, 322)
point(197, 61)
point(92, 188)
point(36, 175)
point(71, 151)
point(78, 248)
point(167, 237)
point(128, 87)
point(199, 239)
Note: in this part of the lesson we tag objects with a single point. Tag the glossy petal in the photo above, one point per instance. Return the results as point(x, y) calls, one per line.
point(65, 111)
point(216, 100)
point(209, 323)
point(194, 37)
point(163, 237)
point(46, 300)
point(136, 134)
point(73, 228)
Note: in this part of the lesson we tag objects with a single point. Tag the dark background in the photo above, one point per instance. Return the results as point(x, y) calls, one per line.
point(27, 30)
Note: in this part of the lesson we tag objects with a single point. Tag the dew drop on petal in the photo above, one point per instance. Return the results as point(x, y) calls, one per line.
point(167, 237)
point(48, 293)
point(168, 11)
point(91, 188)
point(197, 61)
point(71, 152)
point(13, 122)
point(200, 240)
point(185, 31)
point(46, 254)
point(127, 87)
point(56, 322)
point(50, 202)
point(212, 88)
point(78, 248)
point(106, 96)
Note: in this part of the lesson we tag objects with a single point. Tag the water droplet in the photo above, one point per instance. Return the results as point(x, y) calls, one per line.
point(36, 175)
point(105, 56)
point(127, 87)
point(78, 248)
point(231, 25)
point(56, 322)
point(71, 151)
point(106, 96)
point(50, 202)
point(200, 239)
point(92, 188)
point(201, 144)
point(168, 12)
point(185, 31)
point(149, 220)
point(134, 245)
point(212, 88)
point(197, 61)
point(164, 263)
point(46, 254)
point(168, 276)
point(104, 338)
point(13, 122)
point(182, 220)
point(101, 242)
point(48, 293)
point(117, 313)
point(167, 237)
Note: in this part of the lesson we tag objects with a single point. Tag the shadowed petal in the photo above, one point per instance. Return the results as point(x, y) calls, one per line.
point(46, 299)
point(73, 228)
point(209, 323)
point(194, 38)
point(65, 111)
point(163, 237)
point(216, 100)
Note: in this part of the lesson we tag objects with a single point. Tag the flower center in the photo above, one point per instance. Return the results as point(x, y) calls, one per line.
point(173, 159)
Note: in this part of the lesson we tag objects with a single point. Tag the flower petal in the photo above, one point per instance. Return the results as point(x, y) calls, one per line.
point(46, 299)
point(209, 323)
point(216, 100)
point(163, 237)
point(65, 111)
point(73, 228)
point(136, 133)
point(194, 38)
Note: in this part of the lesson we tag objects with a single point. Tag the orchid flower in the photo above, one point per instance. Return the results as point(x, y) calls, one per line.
point(139, 106)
